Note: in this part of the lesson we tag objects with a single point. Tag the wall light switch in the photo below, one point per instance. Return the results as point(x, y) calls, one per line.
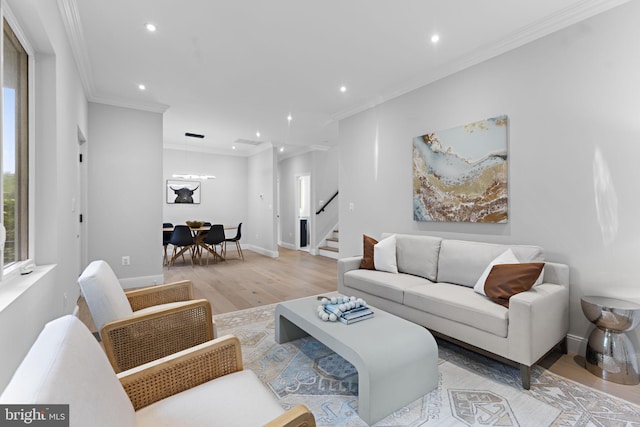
point(351, 206)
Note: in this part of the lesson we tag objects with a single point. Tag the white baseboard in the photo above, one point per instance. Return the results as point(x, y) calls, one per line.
point(139, 282)
point(261, 251)
point(288, 246)
point(575, 344)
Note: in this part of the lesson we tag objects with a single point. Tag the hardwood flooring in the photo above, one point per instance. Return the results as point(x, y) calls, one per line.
point(259, 280)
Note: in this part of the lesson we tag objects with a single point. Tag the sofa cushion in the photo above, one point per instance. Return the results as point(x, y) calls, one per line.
point(507, 280)
point(382, 284)
point(67, 365)
point(462, 262)
point(233, 400)
point(418, 255)
point(384, 255)
point(367, 252)
point(507, 257)
point(459, 304)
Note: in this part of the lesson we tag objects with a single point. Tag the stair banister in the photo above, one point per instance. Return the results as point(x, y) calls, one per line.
point(327, 203)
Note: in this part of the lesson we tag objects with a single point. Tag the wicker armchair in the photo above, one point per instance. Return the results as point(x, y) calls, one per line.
point(202, 386)
point(144, 324)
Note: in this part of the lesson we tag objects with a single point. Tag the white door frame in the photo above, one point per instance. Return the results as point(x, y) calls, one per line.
point(296, 207)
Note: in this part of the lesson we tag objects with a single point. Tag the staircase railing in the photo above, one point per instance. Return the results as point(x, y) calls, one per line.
point(327, 204)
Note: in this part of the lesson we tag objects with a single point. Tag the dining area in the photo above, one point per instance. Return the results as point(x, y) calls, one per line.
point(199, 240)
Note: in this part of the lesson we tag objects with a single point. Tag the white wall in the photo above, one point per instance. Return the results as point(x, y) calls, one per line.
point(60, 107)
point(325, 185)
point(572, 99)
point(223, 200)
point(260, 231)
point(322, 165)
point(288, 170)
point(124, 150)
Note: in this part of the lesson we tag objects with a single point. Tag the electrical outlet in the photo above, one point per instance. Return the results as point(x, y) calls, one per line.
point(126, 260)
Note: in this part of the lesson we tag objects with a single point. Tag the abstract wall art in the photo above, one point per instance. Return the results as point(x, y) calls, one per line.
point(460, 174)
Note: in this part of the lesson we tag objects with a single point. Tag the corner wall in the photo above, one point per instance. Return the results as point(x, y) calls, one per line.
point(260, 232)
point(124, 215)
point(572, 99)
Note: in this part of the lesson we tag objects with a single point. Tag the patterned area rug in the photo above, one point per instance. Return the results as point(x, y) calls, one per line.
point(472, 391)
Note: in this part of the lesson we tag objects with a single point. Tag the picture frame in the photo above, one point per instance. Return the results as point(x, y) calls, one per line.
point(183, 192)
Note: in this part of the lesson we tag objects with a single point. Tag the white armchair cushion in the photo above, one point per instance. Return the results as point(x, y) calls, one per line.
point(67, 366)
point(234, 400)
point(103, 292)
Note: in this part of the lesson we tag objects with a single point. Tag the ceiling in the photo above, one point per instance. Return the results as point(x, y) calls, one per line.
point(228, 69)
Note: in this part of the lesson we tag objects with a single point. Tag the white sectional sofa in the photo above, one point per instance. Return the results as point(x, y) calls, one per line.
point(434, 288)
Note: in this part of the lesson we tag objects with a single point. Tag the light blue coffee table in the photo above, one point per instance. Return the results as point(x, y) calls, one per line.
point(397, 361)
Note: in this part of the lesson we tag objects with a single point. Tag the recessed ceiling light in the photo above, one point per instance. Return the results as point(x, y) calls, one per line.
point(435, 38)
point(258, 134)
point(289, 118)
point(281, 149)
point(142, 87)
point(343, 89)
point(233, 147)
point(150, 27)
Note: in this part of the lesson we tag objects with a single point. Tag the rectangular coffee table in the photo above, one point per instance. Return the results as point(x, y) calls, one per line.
point(397, 361)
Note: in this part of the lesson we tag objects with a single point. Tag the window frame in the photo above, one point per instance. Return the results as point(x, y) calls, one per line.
point(7, 16)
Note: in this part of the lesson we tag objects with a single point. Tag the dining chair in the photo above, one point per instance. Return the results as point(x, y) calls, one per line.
point(202, 386)
point(166, 239)
point(236, 240)
point(144, 324)
point(182, 241)
point(214, 238)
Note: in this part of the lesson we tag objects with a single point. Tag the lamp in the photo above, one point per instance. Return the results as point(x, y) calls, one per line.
point(192, 175)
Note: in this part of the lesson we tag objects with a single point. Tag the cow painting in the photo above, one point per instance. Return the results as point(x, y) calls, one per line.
point(186, 192)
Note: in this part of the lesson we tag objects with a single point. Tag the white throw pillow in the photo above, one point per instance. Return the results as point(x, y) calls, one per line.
point(507, 257)
point(384, 255)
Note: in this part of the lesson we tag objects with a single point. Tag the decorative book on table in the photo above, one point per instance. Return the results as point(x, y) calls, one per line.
point(349, 316)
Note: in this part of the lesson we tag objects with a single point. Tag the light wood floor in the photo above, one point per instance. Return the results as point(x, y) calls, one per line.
point(260, 280)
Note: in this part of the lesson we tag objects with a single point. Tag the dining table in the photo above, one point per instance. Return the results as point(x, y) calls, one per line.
point(198, 236)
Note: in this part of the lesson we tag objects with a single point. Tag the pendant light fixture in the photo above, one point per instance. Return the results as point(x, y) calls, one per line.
point(192, 175)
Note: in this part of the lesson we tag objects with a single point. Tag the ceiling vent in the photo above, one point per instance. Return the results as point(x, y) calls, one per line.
point(248, 142)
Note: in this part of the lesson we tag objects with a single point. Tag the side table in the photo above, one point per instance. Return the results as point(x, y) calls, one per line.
point(612, 350)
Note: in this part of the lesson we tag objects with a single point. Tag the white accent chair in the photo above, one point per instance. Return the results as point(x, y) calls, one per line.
point(142, 325)
point(202, 386)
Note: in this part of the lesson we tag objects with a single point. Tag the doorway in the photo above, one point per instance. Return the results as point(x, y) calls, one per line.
point(302, 210)
point(79, 203)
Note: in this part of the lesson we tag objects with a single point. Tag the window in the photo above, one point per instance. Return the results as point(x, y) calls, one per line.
point(15, 158)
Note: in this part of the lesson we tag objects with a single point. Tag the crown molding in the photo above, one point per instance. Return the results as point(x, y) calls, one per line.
point(543, 27)
point(154, 107)
point(75, 33)
point(73, 26)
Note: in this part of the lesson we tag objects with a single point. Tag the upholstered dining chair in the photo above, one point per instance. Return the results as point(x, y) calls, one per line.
point(235, 240)
point(182, 241)
point(214, 237)
point(166, 239)
point(143, 324)
point(204, 386)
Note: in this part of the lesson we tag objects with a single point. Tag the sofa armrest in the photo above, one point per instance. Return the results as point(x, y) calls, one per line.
point(298, 416)
point(538, 320)
point(181, 371)
point(345, 265)
point(160, 294)
point(141, 338)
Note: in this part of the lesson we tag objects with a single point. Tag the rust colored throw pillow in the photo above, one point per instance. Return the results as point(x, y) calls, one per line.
point(507, 280)
point(367, 252)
